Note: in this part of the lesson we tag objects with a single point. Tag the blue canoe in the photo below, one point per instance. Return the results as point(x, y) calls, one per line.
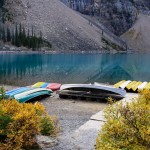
point(44, 85)
point(28, 95)
point(11, 93)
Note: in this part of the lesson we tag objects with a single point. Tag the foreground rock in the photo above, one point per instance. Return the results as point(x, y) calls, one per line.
point(46, 141)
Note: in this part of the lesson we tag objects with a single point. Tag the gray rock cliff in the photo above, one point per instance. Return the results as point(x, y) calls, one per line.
point(117, 15)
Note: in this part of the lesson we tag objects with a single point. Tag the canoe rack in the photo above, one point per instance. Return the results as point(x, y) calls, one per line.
point(133, 86)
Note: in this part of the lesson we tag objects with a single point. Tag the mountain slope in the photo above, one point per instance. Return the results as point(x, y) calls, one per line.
point(137, 36)
point(60, 25)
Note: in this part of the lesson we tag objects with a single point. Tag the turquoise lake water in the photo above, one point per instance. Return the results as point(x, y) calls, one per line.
point(26, 69)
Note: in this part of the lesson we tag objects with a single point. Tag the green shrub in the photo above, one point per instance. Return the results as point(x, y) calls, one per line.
point(49, 126)
point(20, 122)
point(127, 126)
point(2, 93)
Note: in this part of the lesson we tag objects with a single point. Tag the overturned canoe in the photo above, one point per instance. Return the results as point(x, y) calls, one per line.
point(11, 93)
point(91, 91)
point(28, 97)
point(44, 85)
point(38, 84)
point(54, 86)
point(133, 86)
point(30, 94)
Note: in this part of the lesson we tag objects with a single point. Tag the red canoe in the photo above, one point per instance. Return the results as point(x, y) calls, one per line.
point(54, 86)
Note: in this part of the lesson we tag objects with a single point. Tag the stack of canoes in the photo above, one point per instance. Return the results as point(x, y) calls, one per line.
point(52, 86)
point(133, 86)
point(24, 94)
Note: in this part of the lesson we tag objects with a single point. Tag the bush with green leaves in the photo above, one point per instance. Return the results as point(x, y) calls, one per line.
point(127, 126)
point(2, 93)
point(21, 122)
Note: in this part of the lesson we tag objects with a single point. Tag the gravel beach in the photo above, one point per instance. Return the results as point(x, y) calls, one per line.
point(71, 115)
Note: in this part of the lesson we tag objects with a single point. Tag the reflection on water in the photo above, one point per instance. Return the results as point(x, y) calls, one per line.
point(25, 69)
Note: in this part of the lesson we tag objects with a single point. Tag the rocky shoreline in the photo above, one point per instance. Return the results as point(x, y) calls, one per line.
point(24, 50)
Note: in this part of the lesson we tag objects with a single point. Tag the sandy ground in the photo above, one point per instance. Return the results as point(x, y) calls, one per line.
point(137, 36)
point(71, 115)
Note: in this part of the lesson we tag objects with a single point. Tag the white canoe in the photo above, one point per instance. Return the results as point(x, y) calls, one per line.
point(141, 87)
point(124, 84)
point(30, 92)
point(99, 87)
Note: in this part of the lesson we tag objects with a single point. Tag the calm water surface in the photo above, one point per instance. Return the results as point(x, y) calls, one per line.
point(26, 69)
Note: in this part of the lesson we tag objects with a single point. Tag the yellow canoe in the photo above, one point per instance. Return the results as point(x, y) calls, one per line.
point(38, 84)
point(147, 86)
point(119, 83)
point(141, 87)
point(130, 85)
point(135, 87)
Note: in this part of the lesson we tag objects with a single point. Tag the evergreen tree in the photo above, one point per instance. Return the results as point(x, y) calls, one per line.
point(24, 38)
point(3, 35)
point(20, 33)
point(0, 35)
point(13, 38)
point(8, 34)
point(19, 37)
point(17, 40)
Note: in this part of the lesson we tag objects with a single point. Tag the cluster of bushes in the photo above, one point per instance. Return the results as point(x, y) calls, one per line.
point(127, 126)
point(19, 37)
point(21, 122)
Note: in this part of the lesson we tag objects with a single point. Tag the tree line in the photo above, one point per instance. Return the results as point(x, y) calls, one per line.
point(18, 36)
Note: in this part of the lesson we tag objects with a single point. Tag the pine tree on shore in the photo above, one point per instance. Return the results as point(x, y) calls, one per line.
point(3, 35)
point(13, 37)
point(8, 34)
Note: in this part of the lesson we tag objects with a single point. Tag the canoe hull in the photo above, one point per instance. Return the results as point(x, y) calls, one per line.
point(91, 91)
point(54, 86)
point(34, 95)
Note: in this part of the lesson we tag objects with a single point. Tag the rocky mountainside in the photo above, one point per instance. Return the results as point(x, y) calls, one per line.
point(138, 35)
point(117, 15)
point(66, 29)
point(60, 25)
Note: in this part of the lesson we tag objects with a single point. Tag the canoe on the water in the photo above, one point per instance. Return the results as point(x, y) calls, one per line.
point(91, 91)
point(54, 86)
